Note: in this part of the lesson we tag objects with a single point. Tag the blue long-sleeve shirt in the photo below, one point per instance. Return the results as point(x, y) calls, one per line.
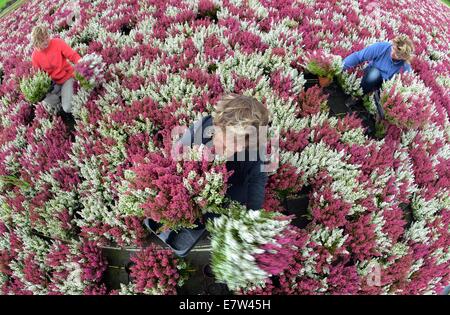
point(379, 55)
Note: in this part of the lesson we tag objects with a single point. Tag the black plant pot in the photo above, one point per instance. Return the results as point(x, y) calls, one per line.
point(181, 241)
point(311, 80)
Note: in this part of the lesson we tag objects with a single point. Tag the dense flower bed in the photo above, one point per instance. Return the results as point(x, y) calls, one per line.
point(169, 62)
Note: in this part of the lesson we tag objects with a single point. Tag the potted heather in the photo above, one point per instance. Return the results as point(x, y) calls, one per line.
point(324, 65)
point(175, 193)
point(406, 101)
point(36, 87)
point(155, 271)
point(89, 71)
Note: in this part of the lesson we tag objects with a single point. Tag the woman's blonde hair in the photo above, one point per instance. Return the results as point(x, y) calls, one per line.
point(39, 36)
point(404, 47)
point(238, 112)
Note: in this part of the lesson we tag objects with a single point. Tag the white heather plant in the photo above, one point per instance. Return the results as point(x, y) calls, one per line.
point(350, 83)
point(236, 236)
point(35, 87)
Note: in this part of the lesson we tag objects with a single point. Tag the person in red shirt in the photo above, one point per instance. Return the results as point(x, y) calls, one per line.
point(53, 56)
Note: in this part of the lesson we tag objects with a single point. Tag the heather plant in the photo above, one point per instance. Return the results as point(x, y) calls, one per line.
point(176, 193)
point(406, 101)
point(312, 101)
point(35, 87)
point(350, 83)
point(156, 271)
point(247, 246)
point(89, 71)
point(323, 64)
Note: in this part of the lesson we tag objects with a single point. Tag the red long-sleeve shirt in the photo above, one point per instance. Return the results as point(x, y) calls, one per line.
point(53, 60)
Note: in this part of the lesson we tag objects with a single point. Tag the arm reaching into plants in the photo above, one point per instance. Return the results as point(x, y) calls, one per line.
point(367, 54)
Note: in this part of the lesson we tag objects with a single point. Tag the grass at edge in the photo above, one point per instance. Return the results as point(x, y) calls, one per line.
point(11, 8)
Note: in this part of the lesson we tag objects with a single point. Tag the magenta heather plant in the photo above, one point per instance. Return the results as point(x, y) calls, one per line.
point(91, 261)
point(312, 101)
point(179, 191)
point(82, 263)
point(280, 255)
point(89, 71)
point(323, 64)
point(325, 206)
point(156, 271)
point(406, 101)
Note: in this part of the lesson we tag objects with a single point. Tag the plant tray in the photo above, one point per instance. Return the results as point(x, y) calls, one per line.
point(181, 241)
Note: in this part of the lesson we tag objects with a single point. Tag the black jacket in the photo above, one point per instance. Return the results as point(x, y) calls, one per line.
point(248, 181)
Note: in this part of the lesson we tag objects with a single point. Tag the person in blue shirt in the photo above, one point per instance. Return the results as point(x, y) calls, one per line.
point(385, 60)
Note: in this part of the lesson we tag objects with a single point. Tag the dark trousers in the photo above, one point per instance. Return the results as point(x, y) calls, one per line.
point(371, 82)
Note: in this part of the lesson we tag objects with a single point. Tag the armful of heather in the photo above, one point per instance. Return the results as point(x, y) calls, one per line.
point(35, 87)
point(406, 101)
point(249, 246)
point(89, 71)
point(323, 64)
point(175, 193)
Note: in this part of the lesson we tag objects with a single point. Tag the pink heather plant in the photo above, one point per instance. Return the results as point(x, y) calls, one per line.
point(279, 255)
point(179, 191)
point(406, 101)
point(327, 208)
point(312, 101)
point(157, 271)
point(323, 64)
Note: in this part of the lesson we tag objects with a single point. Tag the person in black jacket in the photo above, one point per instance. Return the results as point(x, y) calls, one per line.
point(235, 130)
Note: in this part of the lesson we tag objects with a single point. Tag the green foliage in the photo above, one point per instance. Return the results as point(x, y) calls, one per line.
point(316, 69)
point(85, 84)
point(326, 66)
point(36, 87)
point(12, 180)
point(380, 130)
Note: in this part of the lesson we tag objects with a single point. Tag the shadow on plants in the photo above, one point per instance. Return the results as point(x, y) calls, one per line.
point(126, 29)
point(336, 103)
point(212, 68)
point(407, 214)
point(311, 80)
point(210, 13)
